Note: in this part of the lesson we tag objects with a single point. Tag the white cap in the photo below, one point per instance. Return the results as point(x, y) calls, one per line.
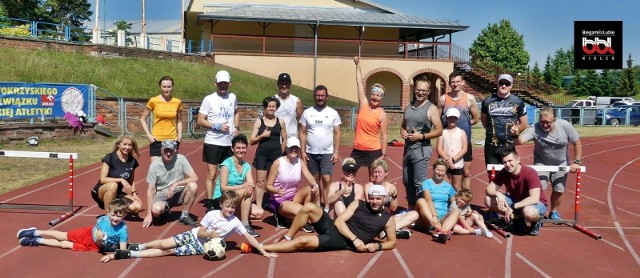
point(223, 76)
point(505, 77)
point(452, 112)
point(293, 142)
point(377, 190)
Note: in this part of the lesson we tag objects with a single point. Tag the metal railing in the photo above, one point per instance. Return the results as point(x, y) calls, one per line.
point(43, 30)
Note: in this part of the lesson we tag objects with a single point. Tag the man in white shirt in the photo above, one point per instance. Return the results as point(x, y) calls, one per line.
point(320, 134)
point(218, 114)
point(290, 106)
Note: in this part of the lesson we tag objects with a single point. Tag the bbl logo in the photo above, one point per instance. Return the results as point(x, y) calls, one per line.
point(598, 44)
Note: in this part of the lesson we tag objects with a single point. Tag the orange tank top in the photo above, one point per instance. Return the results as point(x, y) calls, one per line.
point(368, 125)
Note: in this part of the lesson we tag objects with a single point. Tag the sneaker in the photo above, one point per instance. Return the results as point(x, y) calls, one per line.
point(246, 248)
point(251, 231)
point(308, 228)
point(122, 254)
point(382, 235)
point(487, 234)
point(133, 247)
point(517, 225)
point(478, 232)
point(403, 234)
point(554, 215)
point(28, 232)
point(280, 220)
point(442, 238)
point(186, 220)
point(535, 229)
point(29, 241)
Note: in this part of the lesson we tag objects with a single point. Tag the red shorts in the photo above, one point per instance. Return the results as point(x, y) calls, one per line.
point(82, 239)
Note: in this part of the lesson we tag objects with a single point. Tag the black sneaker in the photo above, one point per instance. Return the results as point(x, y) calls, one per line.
point(280, 220)
point(403, 234)
point(535, 229)
point(442, 238)
point(308, 228)
point(251, 231)
point(186, 220)
point(516, 226)
point(133, 247)
point(122, 254)
point(29, 241)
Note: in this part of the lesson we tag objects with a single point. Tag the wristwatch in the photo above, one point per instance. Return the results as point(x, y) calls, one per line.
point(577, 161)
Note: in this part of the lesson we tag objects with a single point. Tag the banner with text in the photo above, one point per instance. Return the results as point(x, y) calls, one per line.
point(41, 100)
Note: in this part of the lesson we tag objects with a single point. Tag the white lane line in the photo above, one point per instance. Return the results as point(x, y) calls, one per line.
point(507, 258)
point(612, 244)
point(532, 265)
point(406, 269)
point(612, 211)
point(628, 188)
point(370, 264)
point(272, 267)
point(624, 210)
point(242, 255)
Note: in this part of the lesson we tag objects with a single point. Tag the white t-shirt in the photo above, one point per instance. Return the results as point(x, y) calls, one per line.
point(214, 221)
point(287, 112)
point(219, 110)
point(320, 125)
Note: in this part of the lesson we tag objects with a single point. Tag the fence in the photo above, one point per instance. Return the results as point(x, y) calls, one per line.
point(43, 30)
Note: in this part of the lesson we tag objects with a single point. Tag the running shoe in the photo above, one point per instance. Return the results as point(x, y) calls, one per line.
point(535, 229)
point(122, 254)
point(246, 248)
point(134, 247)
point(29, 241)
point(28, 232)
point(403, 234)
point(308, 228)
point(280, 220)
point(251, 231)
point(487, 234)
point(186, 220)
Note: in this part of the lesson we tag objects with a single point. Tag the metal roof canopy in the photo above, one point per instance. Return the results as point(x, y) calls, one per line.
point(409, 25)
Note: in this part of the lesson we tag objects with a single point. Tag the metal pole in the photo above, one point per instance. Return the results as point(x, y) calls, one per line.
point(315, 54)
point(144, 23)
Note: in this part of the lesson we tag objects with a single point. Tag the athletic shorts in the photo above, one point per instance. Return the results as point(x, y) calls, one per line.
point(320, 164)
point(214, 154)
point(156, 146)
point(493, 154)
point(96, 197)
point(263, 162)
point(468, 156)
point(455, 172)
point(542, 209)
point(82, 239)
point(187, 244)
point(557, 179)
point(365, 158)
point(329, 238)
point(175, 200)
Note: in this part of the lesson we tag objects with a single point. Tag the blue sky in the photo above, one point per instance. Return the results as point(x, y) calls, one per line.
point(546, 25)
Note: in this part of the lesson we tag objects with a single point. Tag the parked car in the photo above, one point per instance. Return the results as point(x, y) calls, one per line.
point(623, 103)
point(618, 115)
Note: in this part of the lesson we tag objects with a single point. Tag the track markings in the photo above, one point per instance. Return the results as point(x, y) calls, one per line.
point(532, 265)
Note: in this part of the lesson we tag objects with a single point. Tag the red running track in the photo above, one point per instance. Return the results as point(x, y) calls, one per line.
point(610, 190)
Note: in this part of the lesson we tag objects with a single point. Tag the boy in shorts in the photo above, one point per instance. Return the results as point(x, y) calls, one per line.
point(109, 234)
point(216, 223)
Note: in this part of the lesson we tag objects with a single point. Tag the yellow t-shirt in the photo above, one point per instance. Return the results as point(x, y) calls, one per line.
point(164, 117)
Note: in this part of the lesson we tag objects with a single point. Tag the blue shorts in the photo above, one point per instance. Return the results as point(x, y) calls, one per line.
point(187, 244)
point(320, 164)
point(542, 209)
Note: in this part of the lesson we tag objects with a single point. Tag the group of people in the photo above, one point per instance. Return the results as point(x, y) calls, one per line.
point(295, 144)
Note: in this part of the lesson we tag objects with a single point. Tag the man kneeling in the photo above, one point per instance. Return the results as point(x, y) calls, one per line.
point(354, 229)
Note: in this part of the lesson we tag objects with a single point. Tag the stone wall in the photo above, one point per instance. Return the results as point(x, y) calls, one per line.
point(20, 132)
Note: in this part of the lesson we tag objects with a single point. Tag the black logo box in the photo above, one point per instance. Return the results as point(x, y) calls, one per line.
point(597, 44)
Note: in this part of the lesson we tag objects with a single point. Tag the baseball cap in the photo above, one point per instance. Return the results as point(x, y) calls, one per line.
point(223, 76)
point(377, 190)
point(169, 144)
point(284, 77)
point(452, 112)
point(293, 142)
point(505, 77)
point(349, 166)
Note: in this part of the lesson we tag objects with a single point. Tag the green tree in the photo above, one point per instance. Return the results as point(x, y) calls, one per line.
point(607, 83)
point(24, 9)
point(67, 12)
point(121, 25)
point(536, 75)
point(501, 44)
point(585, 83)
point(628, 80)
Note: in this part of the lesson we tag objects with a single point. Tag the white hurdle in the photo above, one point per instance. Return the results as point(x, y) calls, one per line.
point(540, 168)
point(55, 155)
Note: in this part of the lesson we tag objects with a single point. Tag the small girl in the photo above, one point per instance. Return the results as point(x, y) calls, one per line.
point(452, 146)
point(468, 217)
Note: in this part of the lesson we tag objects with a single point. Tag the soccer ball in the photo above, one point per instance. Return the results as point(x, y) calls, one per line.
point(214, 249)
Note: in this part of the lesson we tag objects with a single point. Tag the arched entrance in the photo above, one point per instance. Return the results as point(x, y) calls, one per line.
point(392, 82)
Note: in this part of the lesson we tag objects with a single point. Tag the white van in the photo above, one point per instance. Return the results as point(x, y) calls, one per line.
point(602, 102)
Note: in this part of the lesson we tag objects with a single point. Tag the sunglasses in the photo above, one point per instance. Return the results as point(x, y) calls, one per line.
point(504, 83)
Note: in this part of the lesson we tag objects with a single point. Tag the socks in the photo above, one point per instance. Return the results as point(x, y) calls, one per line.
point(135, 254)
point(36, 233)
point(245, 223)
point(140, 247)
point(185, 213)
